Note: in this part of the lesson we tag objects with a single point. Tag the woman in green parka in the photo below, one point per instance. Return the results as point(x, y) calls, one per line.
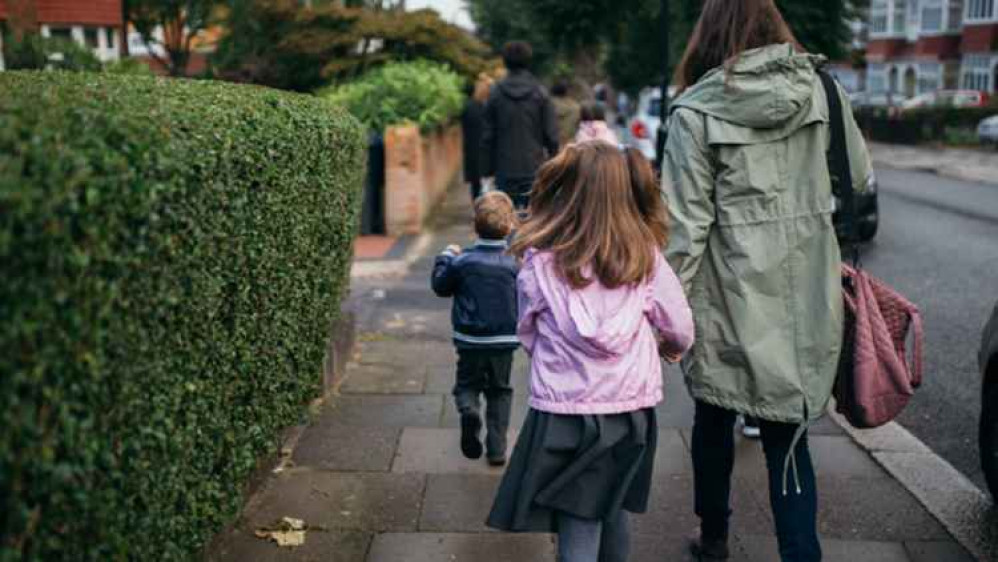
point(746, 179)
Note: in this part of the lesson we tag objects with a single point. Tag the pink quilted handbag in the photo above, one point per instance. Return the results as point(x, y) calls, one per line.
point(876, 379)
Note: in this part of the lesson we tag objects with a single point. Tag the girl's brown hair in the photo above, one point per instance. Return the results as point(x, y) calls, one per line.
point(726, 29)
point(598, 209)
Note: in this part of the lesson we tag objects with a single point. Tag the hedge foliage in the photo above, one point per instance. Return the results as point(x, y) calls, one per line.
point(421, 92)
point(922, 125)
point(173, 254)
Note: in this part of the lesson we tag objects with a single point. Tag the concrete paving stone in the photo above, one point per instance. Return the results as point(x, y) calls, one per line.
point(825, 426)
point(939, 551)
point(458, 502)
point(438, 451)
point(384, 379)
point(670, 509)
point(672, 457)
point(461, 547)
point(384, 411)
point(407, 320)
point(763, 549)
point(320, 546)
point(382, 349)
point(348, 449)
point(662, 548)
point(676, 410)
point(871, 509)
point(337, 501)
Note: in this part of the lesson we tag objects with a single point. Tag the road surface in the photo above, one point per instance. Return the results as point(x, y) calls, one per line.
point(938, 244)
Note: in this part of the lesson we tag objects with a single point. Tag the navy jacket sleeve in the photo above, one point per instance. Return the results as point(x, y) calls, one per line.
point(445, 280)
point(550, 125)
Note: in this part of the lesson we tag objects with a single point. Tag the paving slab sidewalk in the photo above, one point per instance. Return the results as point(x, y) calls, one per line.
point(968, 164)
point(378, 476)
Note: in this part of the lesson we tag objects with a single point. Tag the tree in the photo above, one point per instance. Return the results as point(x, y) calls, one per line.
point(282, 44)
point(625, 34)
point(178, 23)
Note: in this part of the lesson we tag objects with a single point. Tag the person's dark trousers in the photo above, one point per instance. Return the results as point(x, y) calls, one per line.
point(795, 512)
point(518, 190)
point(476, 188)
point(486, 371)
point(586, 540)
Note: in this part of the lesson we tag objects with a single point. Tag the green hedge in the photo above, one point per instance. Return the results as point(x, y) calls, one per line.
point(421, 92)
point(173, 255)
point(916, 126)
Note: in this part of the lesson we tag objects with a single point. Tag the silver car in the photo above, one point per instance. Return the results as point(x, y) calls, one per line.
point(987, 131)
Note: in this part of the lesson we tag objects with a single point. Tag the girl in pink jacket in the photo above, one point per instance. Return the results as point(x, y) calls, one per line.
point(594, 127)
point(598, 306)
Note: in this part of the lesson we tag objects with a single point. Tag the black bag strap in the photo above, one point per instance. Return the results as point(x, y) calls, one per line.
point(838, 164)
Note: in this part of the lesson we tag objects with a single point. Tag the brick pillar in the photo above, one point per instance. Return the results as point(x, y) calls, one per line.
point(405, 178)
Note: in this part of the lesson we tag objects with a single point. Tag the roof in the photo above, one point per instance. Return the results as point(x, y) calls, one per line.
point(90, 12)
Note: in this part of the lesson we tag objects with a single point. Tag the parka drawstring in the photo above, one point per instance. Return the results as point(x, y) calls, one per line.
point(790, 462)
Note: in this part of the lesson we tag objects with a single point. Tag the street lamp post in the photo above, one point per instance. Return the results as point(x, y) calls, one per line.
point(666, 82)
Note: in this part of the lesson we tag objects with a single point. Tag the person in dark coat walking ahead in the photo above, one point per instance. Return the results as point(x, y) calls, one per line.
point(471, 129)
point(521, 128)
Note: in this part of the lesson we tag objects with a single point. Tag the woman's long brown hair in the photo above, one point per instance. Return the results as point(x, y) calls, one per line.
point(726, 29)
point(598, 209)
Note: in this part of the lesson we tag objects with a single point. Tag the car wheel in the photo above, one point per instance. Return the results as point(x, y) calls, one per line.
point(988, 438)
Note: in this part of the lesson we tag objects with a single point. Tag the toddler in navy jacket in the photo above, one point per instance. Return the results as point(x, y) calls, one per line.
point(482, 281)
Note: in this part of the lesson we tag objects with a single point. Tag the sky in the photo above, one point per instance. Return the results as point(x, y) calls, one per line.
point(453, 11)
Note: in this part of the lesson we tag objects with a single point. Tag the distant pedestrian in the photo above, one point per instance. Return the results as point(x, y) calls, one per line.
point(482, 282)
point(595, 127)
point(599, 304)
point(568, 110)
point(746, 177)
point(472, 118)
point(521, 128)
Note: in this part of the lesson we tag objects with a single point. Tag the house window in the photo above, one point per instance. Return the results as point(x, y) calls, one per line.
point(977, 72)
point(876, 78)
point(955, 15)
point(109, 37)
point(900, 24)
point(980, 10)
point(878, 17)
point(930, 77)
point(932, 17)
point(61, 33)
point(90, 38)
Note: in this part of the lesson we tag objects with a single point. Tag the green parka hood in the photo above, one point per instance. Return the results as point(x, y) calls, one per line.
point(767, 89)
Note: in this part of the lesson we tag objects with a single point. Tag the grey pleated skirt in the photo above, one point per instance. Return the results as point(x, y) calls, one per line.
point(590, 466)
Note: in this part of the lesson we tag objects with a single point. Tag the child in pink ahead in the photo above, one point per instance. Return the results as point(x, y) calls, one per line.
point(598, 306)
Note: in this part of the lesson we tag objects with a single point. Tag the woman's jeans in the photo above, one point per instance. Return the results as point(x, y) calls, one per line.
point(795, 512)
point(586, 540)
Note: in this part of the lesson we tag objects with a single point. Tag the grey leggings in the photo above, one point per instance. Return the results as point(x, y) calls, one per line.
point(587, 540)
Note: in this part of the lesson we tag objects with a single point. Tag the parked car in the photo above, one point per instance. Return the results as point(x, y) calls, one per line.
point(988, 431)
point(871, 99)
point(867, 212)
point(987, 131)
point(947, 98)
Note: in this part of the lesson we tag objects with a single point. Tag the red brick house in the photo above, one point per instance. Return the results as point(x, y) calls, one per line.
point(95, 24)
point(918, 46)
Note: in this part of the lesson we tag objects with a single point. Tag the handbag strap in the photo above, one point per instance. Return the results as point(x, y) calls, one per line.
point(838, 164)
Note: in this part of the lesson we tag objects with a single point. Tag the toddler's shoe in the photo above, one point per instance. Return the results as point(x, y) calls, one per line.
point(709, 550)
point(471, 427)
point(497, 460)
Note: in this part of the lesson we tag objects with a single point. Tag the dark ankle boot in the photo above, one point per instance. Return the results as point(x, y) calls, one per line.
point(709, 550)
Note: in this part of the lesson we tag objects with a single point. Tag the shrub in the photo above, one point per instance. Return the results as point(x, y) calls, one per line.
point(423, 93)
point(131, 66)
point(173, 255)
point(34, 52)
point(915, 126)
